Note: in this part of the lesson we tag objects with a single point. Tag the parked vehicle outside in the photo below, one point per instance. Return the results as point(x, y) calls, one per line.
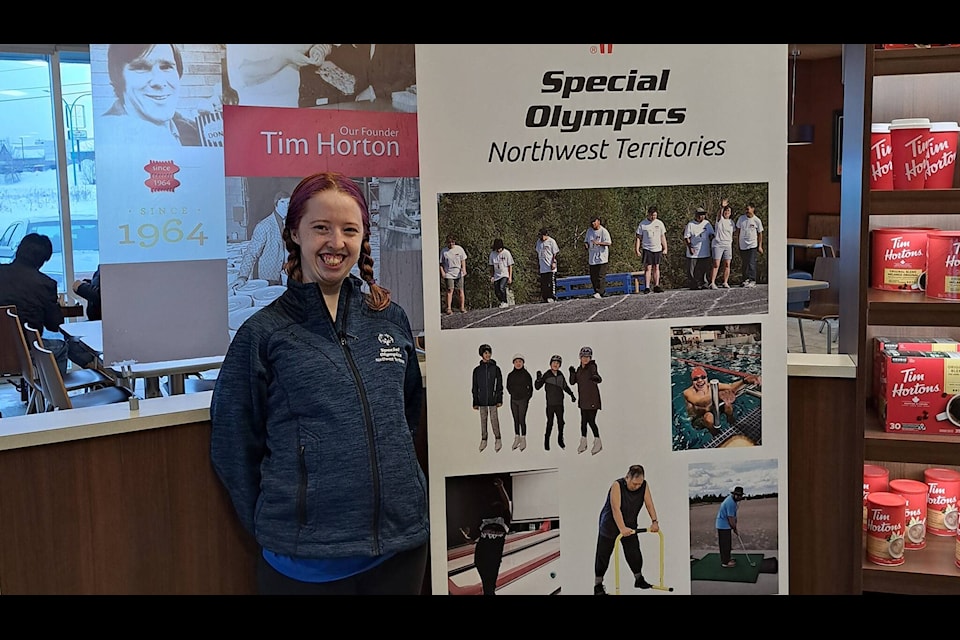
point(86, 245)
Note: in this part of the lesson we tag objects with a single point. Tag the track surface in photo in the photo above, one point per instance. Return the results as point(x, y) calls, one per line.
point(679, 303)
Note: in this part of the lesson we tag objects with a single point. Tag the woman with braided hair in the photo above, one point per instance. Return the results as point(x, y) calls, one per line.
point(314, 413)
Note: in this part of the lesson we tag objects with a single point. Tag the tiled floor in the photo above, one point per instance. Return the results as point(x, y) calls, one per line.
point(816, 341)
point(10, 404)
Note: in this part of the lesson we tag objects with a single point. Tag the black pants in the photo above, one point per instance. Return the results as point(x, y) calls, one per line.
point(589, 417)
point(519, 410)
point(548, 285)
point(402, 574)
point(631, 552)
point(725, 538)
point(487, 557)
point(500, 289)
point(598, 277)
point(748, 264)
point(698, 271)
point(554, 410)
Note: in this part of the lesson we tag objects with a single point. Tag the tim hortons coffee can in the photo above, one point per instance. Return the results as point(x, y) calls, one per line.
point(915, 493)
point(909, 138)
point(956, 551)
point(941, 155)
point(942, 500)
point(943, 265)
point(881, 157)
point(875, 478)
point(886, 513)
point(898, 257)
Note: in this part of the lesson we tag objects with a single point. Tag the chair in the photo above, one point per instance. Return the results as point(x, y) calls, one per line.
point(10, 366)
point(831, 246)
point(29, 380)
point(55, 393)
point(74, 380)
point(824, 303)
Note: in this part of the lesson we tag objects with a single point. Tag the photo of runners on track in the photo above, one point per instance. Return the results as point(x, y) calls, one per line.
point(585, 255)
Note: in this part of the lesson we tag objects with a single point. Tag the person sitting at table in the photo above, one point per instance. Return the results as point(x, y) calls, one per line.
point(35, 296)
point(89, 290)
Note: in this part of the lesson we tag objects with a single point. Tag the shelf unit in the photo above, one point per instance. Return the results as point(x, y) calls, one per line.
point(931, 570)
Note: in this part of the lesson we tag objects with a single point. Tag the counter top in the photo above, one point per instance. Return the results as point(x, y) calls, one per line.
point(821, 365)
point(92, 422)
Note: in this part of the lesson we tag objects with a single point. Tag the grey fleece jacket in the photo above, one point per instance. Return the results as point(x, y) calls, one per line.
point(313, 424)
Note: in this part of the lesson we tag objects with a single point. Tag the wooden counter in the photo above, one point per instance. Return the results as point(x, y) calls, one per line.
point(105, 501)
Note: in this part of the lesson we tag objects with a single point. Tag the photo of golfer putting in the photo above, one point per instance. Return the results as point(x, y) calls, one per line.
point(734, 511)
point(716, 386)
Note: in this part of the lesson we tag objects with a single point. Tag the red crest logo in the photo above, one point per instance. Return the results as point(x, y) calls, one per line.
point(161, 175)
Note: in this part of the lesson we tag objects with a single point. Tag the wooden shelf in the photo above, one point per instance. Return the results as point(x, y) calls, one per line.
point(914, 202)
point(907, 447)
point(911, 309)
point(892, 62)
point(928, 571)
point(932, 570)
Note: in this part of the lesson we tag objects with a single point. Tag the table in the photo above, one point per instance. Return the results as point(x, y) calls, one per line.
point(72, 310)
point(90, 334)
point(803, 243)
point(802, 284)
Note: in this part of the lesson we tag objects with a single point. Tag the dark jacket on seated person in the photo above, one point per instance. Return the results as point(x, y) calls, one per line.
point(34, 293)
point(90, 291)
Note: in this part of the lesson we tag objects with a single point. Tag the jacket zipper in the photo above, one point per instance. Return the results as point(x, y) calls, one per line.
point(368, 423)
point(302, 490)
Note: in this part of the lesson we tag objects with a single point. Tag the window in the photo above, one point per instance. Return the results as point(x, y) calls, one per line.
point(47, 175)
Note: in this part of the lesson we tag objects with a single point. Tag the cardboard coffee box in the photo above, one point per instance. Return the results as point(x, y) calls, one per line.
point(917, 388)
point(904, 344)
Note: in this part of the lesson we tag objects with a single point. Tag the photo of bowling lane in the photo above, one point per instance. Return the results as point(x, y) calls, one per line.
point(503, 533)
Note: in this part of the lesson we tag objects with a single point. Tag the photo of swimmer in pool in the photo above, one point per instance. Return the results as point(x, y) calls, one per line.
point(716, 386)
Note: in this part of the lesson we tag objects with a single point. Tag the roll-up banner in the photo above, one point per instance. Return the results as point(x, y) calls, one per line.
point(198, 149)
point(604, 234)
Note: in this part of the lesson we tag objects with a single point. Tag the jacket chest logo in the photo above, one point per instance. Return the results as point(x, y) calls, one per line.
point(388, 352)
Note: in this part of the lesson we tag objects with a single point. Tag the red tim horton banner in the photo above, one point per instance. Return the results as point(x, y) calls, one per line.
point(277, 141)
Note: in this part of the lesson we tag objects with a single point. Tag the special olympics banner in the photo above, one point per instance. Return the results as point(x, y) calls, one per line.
point(590, 324)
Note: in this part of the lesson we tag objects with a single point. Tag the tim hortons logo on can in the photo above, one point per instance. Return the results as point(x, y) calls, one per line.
point(917, 166)
point(161, 175)
point(938, 495)
point(900, 250)
point(945, 161)
point(879, 522)
point(880, 149)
